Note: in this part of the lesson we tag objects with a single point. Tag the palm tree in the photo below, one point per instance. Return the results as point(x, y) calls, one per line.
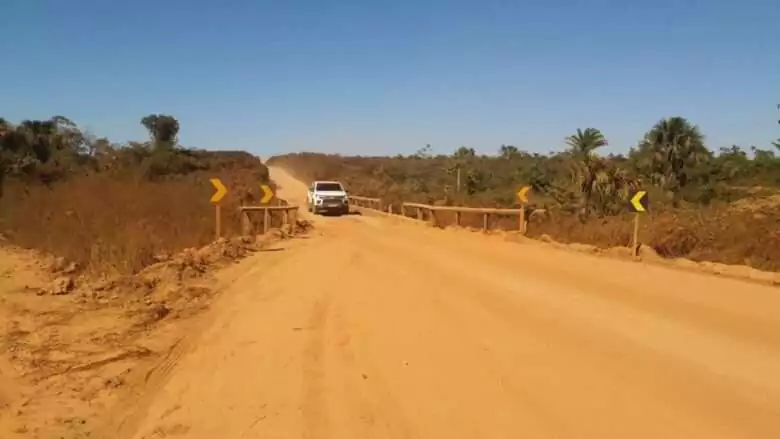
point(674, 146)
point(776, 144)
point(586, 142)
point(613, 186)
point(582, 147)
point(507, 151)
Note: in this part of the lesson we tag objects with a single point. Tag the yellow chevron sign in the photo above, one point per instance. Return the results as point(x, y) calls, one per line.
point(522, 194)
point(221, 190)
point(639, 202)
point(267, 194)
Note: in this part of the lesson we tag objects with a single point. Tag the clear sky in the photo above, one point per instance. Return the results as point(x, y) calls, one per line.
point(374, 77)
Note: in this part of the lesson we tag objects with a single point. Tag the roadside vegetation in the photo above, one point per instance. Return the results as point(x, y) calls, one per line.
point(113, 208)
point(707, 205)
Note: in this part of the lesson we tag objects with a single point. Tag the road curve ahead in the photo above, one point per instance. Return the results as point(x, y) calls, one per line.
point(374, 328)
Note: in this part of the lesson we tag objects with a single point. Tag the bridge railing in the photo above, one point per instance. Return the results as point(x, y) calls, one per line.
point(289, 215)
point(427, 212)
point(366, 202)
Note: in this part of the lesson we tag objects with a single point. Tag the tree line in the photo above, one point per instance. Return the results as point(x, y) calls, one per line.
point(45, 151)
point(671, 161)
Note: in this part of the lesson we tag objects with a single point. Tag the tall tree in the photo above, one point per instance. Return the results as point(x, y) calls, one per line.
point(41, 138)
point(72, 139)
point(507, 151)
point(465, 153)
point(460, 158)
point(674, 147)
point(163, 129)
point(612, 187)
point(582, 147)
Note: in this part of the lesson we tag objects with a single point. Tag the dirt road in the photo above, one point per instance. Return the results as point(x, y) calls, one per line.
point(380, 329)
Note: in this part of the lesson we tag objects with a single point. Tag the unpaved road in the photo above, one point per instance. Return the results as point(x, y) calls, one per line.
point(382, 329)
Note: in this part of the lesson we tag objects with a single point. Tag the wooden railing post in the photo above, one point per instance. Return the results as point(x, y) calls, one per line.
point(420, 210)
point(266, 220)
point(246, 223)
point(523, 225)
point(365, 202)
point(248, 227)
point(218, 221)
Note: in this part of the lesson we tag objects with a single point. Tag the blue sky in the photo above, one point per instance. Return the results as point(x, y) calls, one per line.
point(375, 77)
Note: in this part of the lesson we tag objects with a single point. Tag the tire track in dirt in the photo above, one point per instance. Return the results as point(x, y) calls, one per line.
point(342, 394)
point(123, 421)
point(461, 319)
point(315, 408)
point(10, 392)
point(377, 411)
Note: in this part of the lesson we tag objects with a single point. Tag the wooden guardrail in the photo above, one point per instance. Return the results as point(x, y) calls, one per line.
point(486, 212)
point(366, 202)
point(289, 216)
point(426, 210)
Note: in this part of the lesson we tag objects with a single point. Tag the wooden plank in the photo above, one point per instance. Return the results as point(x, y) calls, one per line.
point(493, 210)
point(272, 208)
point(367, 199)
point(418, 205)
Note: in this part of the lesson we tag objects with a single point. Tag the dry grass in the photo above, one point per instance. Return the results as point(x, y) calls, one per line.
point(114, 226)
point(716, 234)
point(725, 235)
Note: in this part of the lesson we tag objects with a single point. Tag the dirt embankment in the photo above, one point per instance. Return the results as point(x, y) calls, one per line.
point(74, 346)
point(133, 264)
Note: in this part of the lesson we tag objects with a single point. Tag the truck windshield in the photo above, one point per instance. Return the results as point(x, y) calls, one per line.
point(328, 187)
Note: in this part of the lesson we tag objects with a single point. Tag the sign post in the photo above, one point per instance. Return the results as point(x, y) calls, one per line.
point(638, 203)
point(522, 196)
point(267, 195)
point(215, 199)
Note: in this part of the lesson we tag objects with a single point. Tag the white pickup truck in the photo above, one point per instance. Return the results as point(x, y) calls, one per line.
point(327, 197)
